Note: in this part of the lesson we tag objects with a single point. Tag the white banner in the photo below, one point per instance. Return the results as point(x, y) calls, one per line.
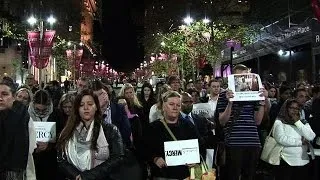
point(245, 87)
point(45, 131)
point(182, 152)
point(203, 110)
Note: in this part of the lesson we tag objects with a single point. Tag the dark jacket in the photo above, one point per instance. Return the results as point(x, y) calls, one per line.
point(157, 135)
point(116, 150)
point(14, 135)
point(120, 119)
point(46, 161)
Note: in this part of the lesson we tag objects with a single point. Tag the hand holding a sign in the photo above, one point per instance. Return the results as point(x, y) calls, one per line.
point(160, 162)
point(229, 95)
point(42, 146)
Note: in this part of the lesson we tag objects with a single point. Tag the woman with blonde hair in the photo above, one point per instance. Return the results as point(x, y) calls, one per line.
point(24, 95)
point(155, 110)
point(171, 127)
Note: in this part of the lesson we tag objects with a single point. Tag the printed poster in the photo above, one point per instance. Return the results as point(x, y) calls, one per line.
point(245, 87)
point(182, 152)
point(45, 131)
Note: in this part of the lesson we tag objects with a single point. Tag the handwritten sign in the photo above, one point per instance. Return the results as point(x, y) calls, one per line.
point(245, 87)
point(45, 131)
point(182, 152)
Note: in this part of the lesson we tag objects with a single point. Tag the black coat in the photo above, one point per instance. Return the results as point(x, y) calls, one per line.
point(104, 170)
point(156, 137)
point(14, 135)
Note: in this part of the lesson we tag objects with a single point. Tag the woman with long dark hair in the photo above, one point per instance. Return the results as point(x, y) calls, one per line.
point(88, 148)
point(147, 98)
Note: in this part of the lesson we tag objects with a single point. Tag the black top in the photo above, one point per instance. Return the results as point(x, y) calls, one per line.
point(104, 170)
point(183, 130)
point(14, 135)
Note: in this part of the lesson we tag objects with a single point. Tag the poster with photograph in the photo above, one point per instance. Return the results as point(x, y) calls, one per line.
point(245, 87)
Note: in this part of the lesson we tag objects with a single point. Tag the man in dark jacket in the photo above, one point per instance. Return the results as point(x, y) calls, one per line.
point(113, 113)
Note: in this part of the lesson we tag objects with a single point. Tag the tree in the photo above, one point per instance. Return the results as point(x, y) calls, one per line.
point(196, 43)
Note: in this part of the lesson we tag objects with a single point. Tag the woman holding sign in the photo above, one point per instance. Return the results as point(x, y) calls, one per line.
point(88, 148)
point(45, 120)
point(159, 134)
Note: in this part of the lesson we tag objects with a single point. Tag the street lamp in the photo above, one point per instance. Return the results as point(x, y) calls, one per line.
point(188, 20)
point(32, 21)
point(206, 20)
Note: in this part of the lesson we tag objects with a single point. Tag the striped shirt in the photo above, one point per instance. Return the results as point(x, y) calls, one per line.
point(241, 129)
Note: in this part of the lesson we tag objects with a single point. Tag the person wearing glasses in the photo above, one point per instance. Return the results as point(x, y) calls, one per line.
point(294, 134)
point(45, 156)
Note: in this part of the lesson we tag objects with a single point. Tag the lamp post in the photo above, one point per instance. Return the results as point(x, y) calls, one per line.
point(32, 21)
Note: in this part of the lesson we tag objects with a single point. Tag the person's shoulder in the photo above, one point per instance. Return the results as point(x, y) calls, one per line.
point(109, 128)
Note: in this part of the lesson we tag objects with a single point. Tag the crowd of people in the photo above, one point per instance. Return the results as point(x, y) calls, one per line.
point(104, 135)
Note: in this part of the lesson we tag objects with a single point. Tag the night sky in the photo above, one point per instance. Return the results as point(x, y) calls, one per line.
point(123, 23)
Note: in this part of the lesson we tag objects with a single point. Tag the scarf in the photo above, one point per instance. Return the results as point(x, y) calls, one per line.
point(79, 152)
point(36, 116)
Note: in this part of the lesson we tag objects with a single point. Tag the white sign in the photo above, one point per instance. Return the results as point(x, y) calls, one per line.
point(182, 152)
point(245, 87)
point(45, 131)
point(203, 110)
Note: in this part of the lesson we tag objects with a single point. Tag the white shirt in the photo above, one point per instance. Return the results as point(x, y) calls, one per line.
point(290, 136)
point(154, 114)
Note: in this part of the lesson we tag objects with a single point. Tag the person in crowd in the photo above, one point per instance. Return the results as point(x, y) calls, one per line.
point(175, 83)
point(301, 95)
point(45, 157)
point(134, 105)
point(284, 93)
point(314, 120)
point(239, 121)
point(147, 99)
point(158, 87)
point(82, 83)
point(55, 91)
point(195, 95)
point(65, 107)
point(158, 134)
point(273, 94)
point(24, 95)
point(30, 81)
point(294, 134)
point(66, 85)
point(88, 148)
point(155, 110)
point(201, 124)
point(214, 91)
point(17, 137)
point(199, 85)
point(112, 112)
point(189, 85)
point(315, 95)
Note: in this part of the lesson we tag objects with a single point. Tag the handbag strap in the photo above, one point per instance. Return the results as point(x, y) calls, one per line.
point(271, 131)
point(168, 129)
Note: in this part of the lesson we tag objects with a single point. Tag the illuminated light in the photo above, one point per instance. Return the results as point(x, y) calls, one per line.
point(206, 20)
point(32, 20)
point(188, 20)
point(280, 52)
point(69, 43)
point(162, 43)
point(81, 43)
point(51, 20)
